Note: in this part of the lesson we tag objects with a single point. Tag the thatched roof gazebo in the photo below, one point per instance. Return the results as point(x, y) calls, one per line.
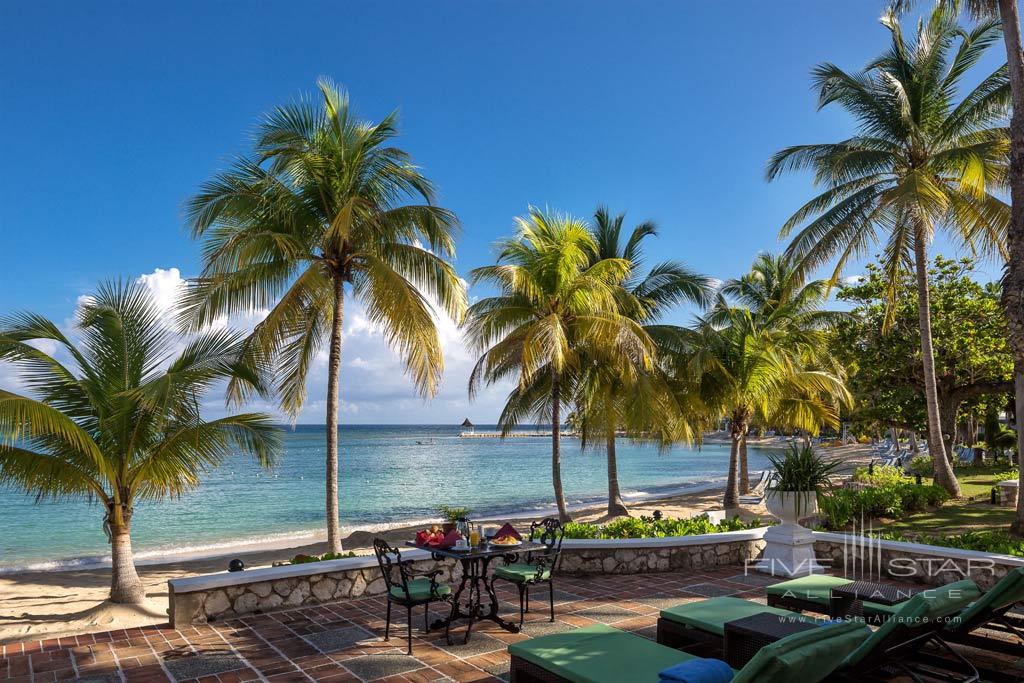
point(466, 424)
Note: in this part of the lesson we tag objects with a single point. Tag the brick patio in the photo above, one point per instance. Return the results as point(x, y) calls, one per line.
point(343, 641)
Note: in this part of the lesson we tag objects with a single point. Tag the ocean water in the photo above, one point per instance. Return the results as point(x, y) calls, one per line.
point(388, 475)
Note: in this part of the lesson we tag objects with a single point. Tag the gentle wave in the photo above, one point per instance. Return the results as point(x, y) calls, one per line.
point(292, 539)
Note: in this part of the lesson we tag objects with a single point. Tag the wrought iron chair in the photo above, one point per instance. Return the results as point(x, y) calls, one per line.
point(538, 567)
point(409, 588)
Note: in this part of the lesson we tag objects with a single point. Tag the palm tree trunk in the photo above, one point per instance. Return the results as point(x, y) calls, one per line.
point(125, 585)
point(944, 476)
point(616, 507)
point(732, 484)
point(1013, 280)
point(1018, 519)
point(333, 380)
point(744, 473)
point(556, 450)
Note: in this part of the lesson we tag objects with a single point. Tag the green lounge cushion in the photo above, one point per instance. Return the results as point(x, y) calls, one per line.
point(816, 588)
point(926, 606)
point(711, 615)
point(1008, 591)
point(807, 657)
point(521, 572)
point(602, 654)
point(599, 654)
point(419, 589)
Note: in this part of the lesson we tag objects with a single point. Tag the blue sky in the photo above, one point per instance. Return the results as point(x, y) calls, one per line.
point(114, 113)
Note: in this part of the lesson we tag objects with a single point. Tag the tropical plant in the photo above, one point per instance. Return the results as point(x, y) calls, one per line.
point(318, 211)
point(452, 514)
point(778, 295)
point(747, 371)
point(1013, 278)
point(921, 161)
point(801, 470)
point(119, 422)
point(637, 400)
point(555, 306)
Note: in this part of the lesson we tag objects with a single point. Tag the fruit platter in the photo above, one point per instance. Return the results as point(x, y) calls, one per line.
point(435, 537)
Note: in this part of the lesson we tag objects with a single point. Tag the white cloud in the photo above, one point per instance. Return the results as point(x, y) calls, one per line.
point(374, 386)
point(853, 279)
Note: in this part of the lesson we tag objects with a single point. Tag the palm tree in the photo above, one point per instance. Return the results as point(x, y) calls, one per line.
point(319, 210)
point(921, 161)
point(641, 401)
point(747, 372)
point(1013, 279)
point(120, 425)
point(779, 297)
point(556, 305)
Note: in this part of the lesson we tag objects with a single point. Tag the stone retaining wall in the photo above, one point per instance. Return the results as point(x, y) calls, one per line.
point(216, 597)
point(866, 558)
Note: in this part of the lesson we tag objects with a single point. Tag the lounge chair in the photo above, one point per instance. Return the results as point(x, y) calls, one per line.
point(916, 622)
point(992, 611)
point(757, 492)
point(602, 654)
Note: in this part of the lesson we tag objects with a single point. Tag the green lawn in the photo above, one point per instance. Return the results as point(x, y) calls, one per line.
point(976, 514)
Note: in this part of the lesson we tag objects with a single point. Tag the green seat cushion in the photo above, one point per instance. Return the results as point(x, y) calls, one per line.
point(419, 589)
point(521, 572)
point(807, 657)
point(874, 609)
point(712, 614)
point(599, 654)
point(925, 607)
point(1008, 591)
point(816, 588)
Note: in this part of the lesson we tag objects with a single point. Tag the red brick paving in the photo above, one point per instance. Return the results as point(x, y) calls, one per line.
point(271, 647)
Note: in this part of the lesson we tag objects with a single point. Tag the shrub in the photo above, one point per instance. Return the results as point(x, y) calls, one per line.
point(648, 527)
point(306, 559)
point(842, 506)
point(921, 465)
point(581, 530)
point(882, 475)
point(985, 541)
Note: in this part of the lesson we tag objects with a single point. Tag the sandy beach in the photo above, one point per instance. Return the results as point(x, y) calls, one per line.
point(59, 603)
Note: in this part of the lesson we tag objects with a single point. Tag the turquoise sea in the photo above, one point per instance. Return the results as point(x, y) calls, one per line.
point(389, 475)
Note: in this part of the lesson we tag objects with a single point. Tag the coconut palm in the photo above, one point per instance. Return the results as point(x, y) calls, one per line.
point(1013, 280)
point(116, 423)
point(556, 306)
point(923, 160)
point(639, 400)
point(777, 294)
point(318, 211)
point(747, 371)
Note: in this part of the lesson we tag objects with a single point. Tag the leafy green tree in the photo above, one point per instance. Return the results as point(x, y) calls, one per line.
point(637, 400)
point(881, 345)
point(922, 160)
point(317, 212)
point(556, 306)
point(117, 424)
point(747, 371)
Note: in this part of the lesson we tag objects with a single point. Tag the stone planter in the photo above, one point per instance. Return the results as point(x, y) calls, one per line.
point(1008, 492)
point(789, 547)
point(789, 507)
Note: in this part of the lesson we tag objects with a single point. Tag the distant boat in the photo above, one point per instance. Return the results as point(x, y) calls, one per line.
point(428, 442)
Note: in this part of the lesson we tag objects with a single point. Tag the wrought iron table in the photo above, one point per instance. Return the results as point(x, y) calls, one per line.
point(474, 563)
